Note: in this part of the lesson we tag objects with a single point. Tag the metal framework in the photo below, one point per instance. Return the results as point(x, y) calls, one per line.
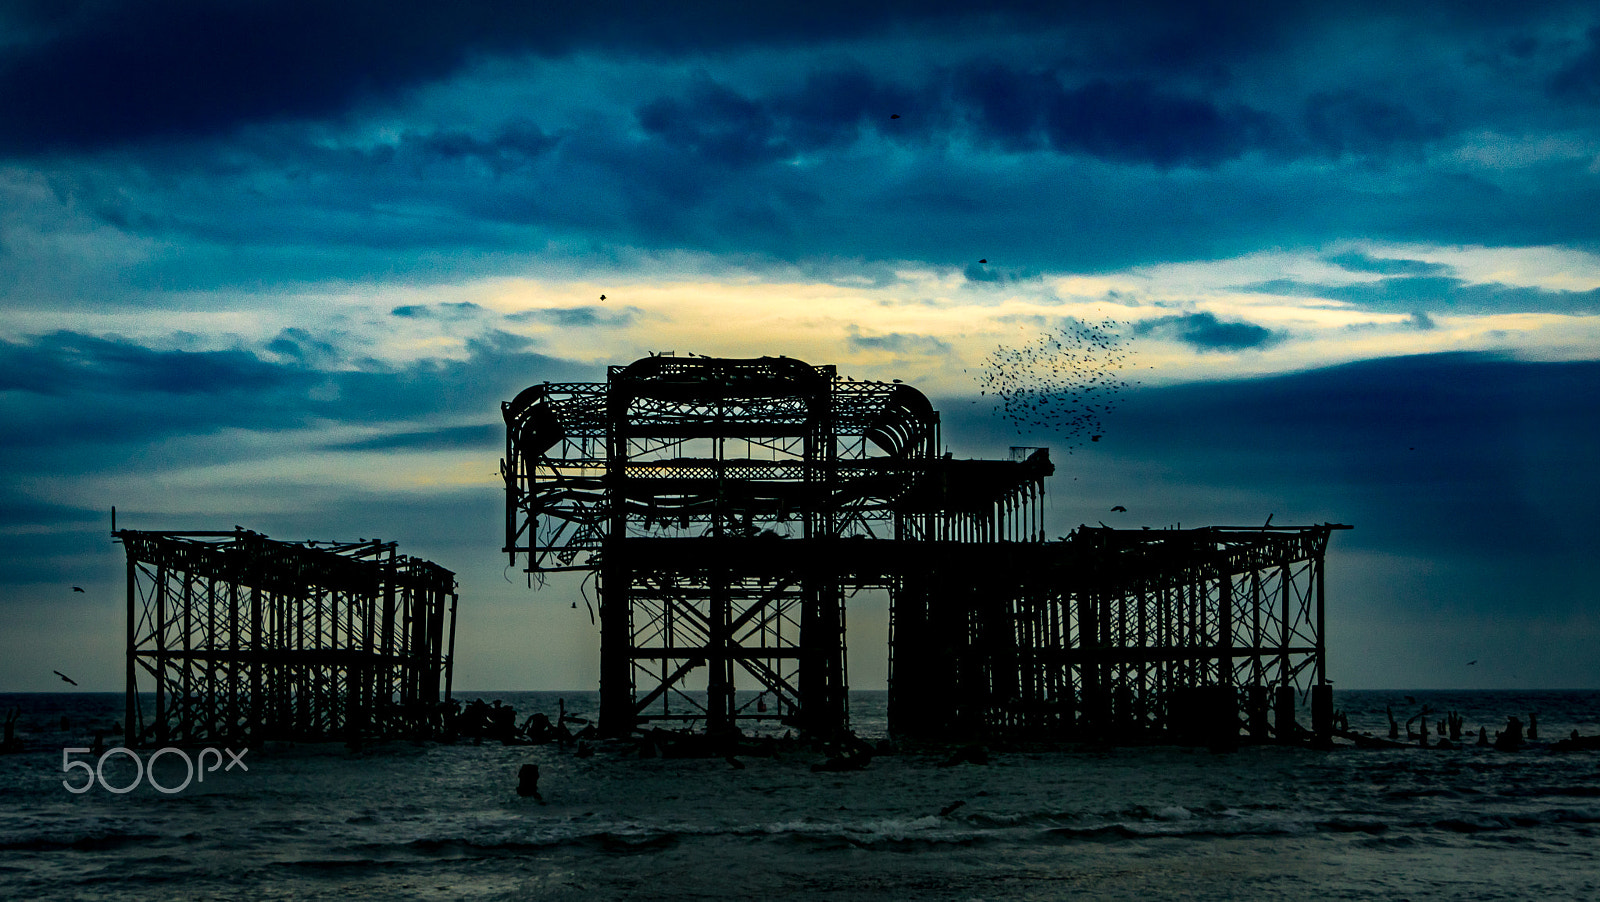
point(1115, 634)
point(234, 636)
point(727, 507)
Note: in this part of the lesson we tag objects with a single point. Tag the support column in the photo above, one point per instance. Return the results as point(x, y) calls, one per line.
point(130, 725)
point(1284, 722)
point(1322, 712)
point(613, 585)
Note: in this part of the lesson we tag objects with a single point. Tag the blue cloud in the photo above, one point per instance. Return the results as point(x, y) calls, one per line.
point(448, 439)
point(1388, 266)
point(1205, 332)
point(67, 391)
point(586, 317)
point(448, 310)
point(897, 343)
point(1579, 79)
point(1440, 294)
point(1348, 121)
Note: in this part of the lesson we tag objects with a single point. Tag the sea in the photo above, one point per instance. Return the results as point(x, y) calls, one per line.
point(403, 820)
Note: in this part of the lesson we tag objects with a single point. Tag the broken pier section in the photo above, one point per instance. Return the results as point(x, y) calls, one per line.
point(729, 507)
point(233, 637)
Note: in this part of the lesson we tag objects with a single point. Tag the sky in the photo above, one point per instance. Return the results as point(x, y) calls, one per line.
point(276, 264)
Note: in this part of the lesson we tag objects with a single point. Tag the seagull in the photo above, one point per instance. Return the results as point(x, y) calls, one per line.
point(984, 260)
point(1120, 509)
point(894, 115)
point(65, 677)
point(77, 588)
point(1472, 662)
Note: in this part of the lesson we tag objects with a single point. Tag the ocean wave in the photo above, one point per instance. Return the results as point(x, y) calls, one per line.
point(86, 843)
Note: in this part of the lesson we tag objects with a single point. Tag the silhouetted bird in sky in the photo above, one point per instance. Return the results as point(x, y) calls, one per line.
point(984, 260)
point(77, 588)
point(1120, 509)
point(602, 297)
point(894, 115)
point(1472, 662)
point(65, 677)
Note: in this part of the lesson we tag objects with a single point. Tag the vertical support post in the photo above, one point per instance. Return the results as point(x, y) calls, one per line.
point(1089, 714)
point(257, 647)
point(1319, 574)
point(1224, 645)
point(159, 632)
point(1257, 712)
point(1286, 727)
point(1322, 691)
point(130, 725)
point(719, 660)
point(450, 652)
point(613, 585)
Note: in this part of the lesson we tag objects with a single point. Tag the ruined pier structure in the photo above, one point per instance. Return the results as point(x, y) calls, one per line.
point(235, 637)
point(728, 508)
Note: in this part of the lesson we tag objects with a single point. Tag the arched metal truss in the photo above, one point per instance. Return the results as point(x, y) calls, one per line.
point(727, 507)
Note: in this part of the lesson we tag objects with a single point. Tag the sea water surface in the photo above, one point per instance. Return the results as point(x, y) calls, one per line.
point(402, 820)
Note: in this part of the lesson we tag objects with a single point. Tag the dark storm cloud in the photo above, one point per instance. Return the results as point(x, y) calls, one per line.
point(1134, 121)
point(1441, 294)
point(72, 391)
point(514, 146)
point(114, 71)
point(117, 71)
point(1082, 136)
point(1125, 121)
point(68, 363)
point(1579, 80)
point(1205, 332)
point(1460, 458)
point(1348, 121)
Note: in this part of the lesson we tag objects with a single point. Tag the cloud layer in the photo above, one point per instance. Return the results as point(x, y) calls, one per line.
point(281, 261)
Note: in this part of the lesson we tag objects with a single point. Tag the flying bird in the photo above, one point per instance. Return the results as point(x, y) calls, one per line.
point(1472, 662)
point(1120, 509)
point(77, 588)
point(894, 115)
point(602, 297)
point(984, 260)
point(65, 677)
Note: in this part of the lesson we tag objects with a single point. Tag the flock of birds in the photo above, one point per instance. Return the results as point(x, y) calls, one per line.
point(1064, 382)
